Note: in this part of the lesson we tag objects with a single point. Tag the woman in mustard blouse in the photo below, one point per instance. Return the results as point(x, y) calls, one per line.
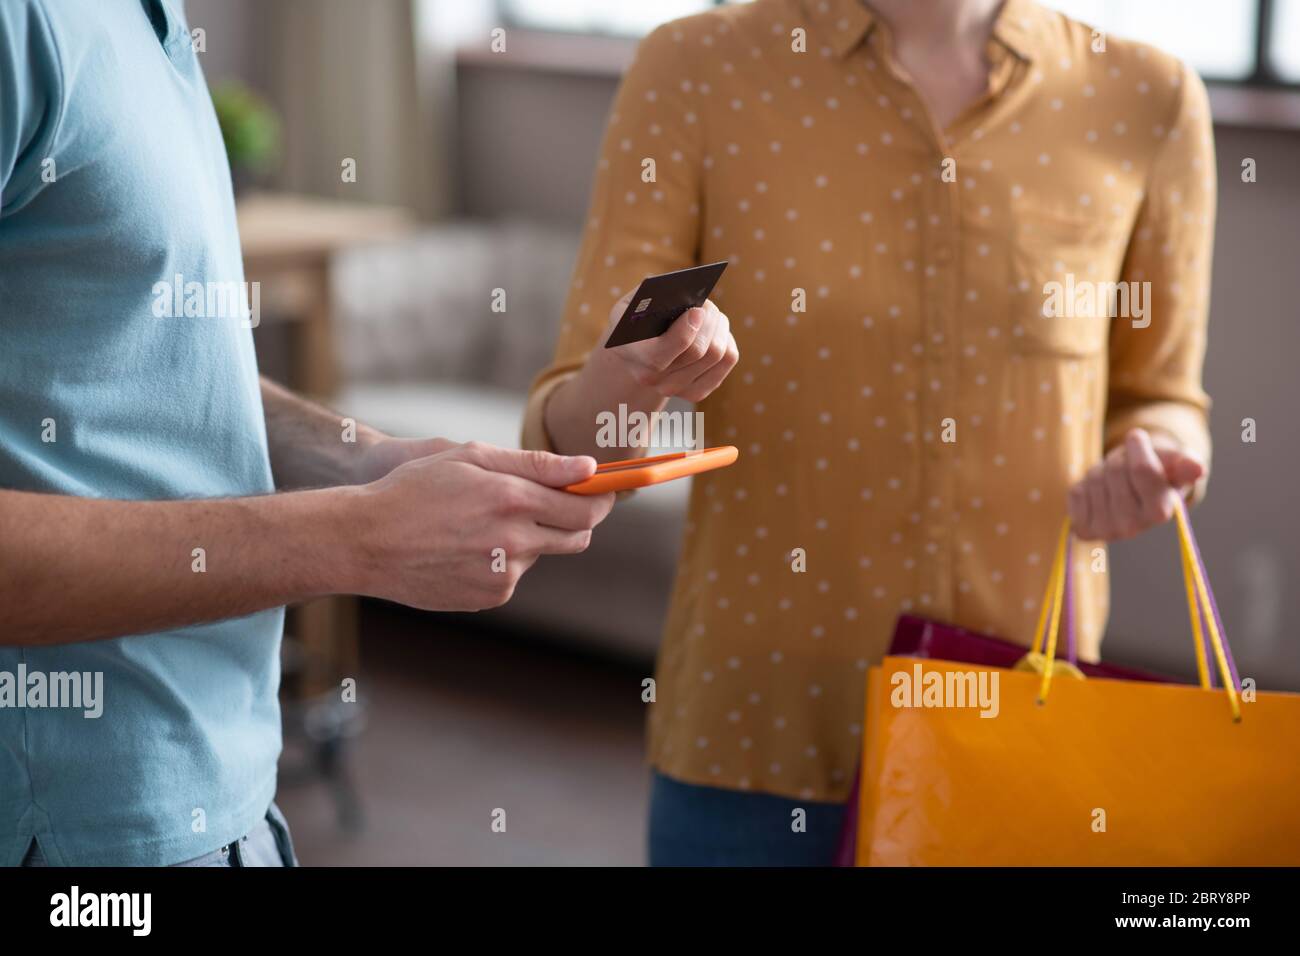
point(911, 197)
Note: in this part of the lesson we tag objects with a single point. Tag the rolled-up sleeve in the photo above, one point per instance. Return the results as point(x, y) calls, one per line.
point(1156, 361)
point(644, 213)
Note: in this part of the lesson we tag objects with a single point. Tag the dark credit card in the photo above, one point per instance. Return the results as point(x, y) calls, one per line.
point(659, 300)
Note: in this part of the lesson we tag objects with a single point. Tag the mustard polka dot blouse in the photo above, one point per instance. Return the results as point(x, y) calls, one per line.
point(940, 330)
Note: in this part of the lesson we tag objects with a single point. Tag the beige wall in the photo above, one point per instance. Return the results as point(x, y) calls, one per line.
point(1250, 538)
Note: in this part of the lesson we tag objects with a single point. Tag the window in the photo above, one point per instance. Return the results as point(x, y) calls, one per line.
point(1240, 41)
point(1284, 46)
point(1215, 37)
point(622, 17)
point(628, 17)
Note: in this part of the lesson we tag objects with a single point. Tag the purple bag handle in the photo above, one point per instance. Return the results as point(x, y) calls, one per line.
point(1067, 601)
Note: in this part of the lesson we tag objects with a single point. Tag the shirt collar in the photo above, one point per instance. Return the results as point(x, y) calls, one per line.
point(1021, 27)
point(844, 24)
point(840, 24)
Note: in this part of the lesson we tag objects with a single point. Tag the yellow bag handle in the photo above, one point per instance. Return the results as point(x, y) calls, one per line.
point(1198, 638)
point(1053, 604)
point(1187, 544)
point(1053, 596)
point(1199, 607)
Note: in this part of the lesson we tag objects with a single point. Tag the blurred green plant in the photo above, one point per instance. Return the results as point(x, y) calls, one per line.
point(249, 127)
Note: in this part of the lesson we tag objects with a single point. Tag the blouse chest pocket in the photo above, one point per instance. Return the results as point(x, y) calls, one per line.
point(1065, 281)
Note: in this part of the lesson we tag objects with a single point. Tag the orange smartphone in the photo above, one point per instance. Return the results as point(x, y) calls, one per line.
point(639, 472)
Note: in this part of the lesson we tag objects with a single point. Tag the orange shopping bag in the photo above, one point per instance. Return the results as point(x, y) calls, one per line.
point(971, 765)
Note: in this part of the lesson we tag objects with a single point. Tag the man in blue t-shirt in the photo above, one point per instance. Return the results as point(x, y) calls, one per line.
point(147, 546)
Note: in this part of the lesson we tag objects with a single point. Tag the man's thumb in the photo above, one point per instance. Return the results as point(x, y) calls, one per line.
point(543, 467)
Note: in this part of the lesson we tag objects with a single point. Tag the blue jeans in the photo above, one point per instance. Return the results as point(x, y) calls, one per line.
point(705, 826)
point(267, 844)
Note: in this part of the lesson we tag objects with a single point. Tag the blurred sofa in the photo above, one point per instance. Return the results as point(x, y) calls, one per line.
point(423, 353)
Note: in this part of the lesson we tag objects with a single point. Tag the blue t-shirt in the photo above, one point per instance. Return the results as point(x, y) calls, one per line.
point(126, 373)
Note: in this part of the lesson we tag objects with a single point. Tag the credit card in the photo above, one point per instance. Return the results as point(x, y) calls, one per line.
point(660, 300)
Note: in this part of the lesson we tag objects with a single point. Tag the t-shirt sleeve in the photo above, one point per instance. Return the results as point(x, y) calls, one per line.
point(31, 97)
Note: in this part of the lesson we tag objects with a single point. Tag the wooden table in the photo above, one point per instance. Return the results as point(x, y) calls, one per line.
point(289, 243)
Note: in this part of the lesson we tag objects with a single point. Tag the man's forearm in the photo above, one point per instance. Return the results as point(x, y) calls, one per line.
point(77, 569)
point(310, 446)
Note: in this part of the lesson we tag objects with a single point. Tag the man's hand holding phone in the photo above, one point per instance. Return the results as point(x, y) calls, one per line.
point(455, 531)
